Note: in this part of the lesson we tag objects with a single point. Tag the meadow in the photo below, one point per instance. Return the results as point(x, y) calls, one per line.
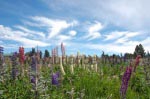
point(72, 77)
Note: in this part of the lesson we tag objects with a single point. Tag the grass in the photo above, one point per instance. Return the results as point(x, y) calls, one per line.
point(83, 84)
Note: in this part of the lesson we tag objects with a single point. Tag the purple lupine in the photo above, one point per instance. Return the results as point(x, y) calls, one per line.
point(33, 79)
point(137, 61)
point(33, 63)
point(15, 71)
point(125, 81)
point(33, 69)
point(1, 57)
point(55, 78)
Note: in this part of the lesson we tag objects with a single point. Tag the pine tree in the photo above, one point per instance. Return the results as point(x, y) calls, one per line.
point(33, 51)
point(139, 50)
point(40, 55)
point(46, 53)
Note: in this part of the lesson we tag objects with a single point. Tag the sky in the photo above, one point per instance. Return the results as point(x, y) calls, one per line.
point(87, 26)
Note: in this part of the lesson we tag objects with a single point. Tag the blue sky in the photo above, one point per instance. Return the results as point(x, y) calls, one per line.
point(93, 26)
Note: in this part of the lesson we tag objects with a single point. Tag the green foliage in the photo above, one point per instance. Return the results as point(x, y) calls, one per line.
point(83, 84)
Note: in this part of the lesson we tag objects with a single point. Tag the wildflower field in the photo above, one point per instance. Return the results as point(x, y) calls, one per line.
point(31, 76)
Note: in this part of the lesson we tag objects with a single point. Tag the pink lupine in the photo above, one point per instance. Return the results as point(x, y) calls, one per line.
point(63, 50)
point(57, 51)
point(21, 55)
point(125, 80)
point(137, 61)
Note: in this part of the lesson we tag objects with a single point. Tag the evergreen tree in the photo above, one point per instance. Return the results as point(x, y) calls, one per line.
point(46, 53)
point(103, 54)
point(33, 51)
point(139, 50)
point(136, 51)
point(128, 55)
point(147, 54)
point(40, 55)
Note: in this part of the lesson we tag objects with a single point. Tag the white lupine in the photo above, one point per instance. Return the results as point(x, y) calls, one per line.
point(61, 66)
point(71, 67)
point(83, 65)
point(92, 67)
point(95, 67)
point(95, 63)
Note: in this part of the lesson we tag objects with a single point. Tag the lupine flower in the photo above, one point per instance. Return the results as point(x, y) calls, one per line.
point(33, 79)
point(72, 67)
point(57, 51)
point(61, 66)
point(55, 78)
point(125, 81)
point(21, 55)
point(1, 57)
point(33, 63)
point(53, 56)
point(21, 59)
point(15, 71)
point(95, 63)
point(63, 50)
point(137, 61)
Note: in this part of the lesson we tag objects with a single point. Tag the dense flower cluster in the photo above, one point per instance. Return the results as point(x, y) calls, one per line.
point(127, 75)
point(137, 61)
point(21, 55)
point(15, 71)
point(33, 63)
point(55, 78)
point(63, 50)
point(125, 80)
point(33, 70)
point(1, 59)
point(33, 79)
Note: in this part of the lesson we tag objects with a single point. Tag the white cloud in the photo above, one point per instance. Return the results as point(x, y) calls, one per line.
point(130, 14)
point(54, 26)
point(128, 46)
point(121, 36)
point(113, 47)
point(41, 34)
point(118, 34)
point(121, 40)
point(5, 31)
point(127, 36)
point(9, 34)
point(93, 31)
point(114, 35)
point(63, 37)
point(72, 33)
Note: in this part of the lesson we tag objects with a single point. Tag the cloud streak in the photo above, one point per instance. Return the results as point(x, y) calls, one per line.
point(54, 26)
point(21, 37)
point(41, 34)
point(93, 31)
point(121, 36)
